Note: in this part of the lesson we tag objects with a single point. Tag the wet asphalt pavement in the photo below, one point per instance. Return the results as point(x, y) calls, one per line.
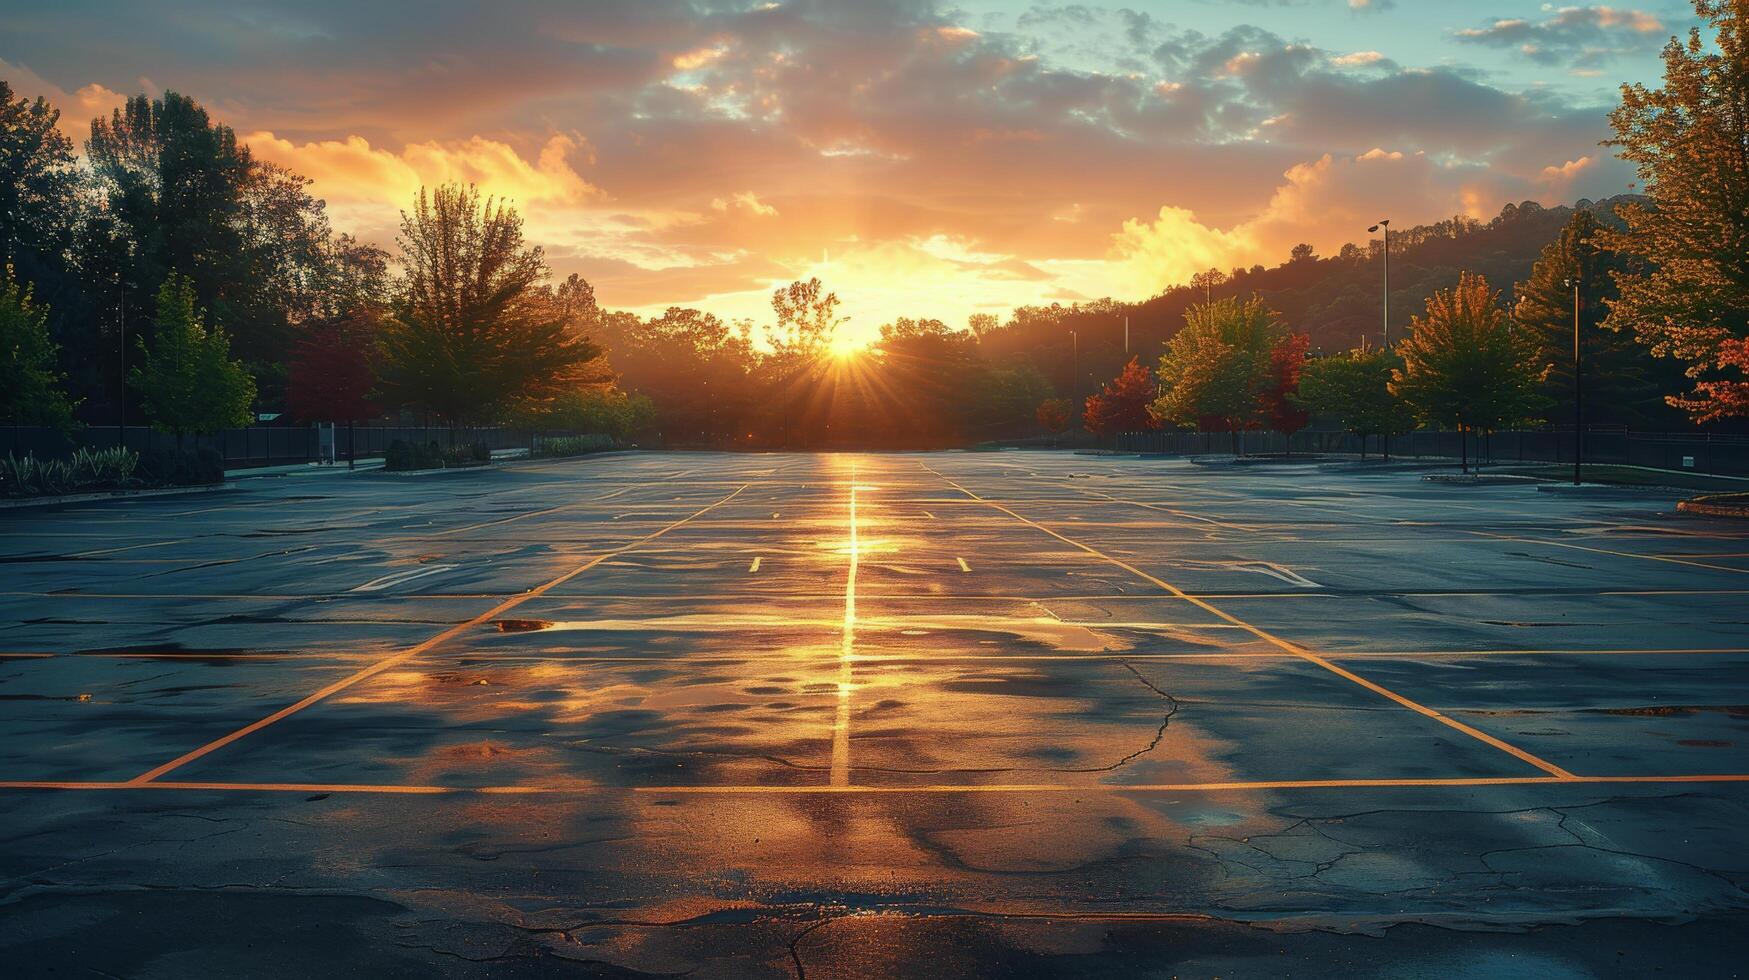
point(845, 715)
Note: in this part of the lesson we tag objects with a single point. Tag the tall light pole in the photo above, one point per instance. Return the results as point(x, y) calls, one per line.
point(1385, 226)
point(1578, 390)
point(121, 424)
point(1126, 335)
point(1075, 365)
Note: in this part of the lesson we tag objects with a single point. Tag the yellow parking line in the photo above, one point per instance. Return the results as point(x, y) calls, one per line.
point(414, 651)
point(963, 566)
point(1118, 789)
point(1618, 554)
point(1286, 645)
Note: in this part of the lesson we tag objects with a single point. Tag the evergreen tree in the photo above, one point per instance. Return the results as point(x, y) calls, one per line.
point(186, 378)
point(1688, 139)
point(1465, 366)
point(1617, 368)
point(30, 383)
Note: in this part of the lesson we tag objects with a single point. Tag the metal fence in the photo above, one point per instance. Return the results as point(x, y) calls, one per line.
point(262, 445)
point(1700, 452)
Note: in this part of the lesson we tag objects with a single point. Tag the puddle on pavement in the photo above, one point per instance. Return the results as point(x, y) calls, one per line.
point(211, 656)
point(1675, 710)
point(521, 625)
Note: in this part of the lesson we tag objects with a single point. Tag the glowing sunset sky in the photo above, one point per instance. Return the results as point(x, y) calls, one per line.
point(923, 159)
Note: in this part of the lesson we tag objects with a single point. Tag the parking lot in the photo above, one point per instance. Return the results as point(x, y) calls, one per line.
point(874, 714)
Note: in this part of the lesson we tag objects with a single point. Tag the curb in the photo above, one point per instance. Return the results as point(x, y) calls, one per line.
point(1608, 488)
point(434, 471)
point(1480, 479)
point(1376, 465)
point(83, 498)
point(496, 464)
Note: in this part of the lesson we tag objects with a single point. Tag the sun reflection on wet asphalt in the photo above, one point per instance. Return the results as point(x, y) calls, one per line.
point(851, 686)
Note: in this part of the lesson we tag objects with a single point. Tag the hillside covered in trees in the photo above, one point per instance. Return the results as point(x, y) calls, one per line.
point(1335, 301)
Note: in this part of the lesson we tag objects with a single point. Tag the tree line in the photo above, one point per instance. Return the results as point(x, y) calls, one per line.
point(169, 274)
point(1650, 297)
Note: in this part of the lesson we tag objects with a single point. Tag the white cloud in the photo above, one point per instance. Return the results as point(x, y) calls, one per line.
point(746, 201)
point(1358, 59)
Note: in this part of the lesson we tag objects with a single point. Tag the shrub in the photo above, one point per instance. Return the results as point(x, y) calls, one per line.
point(28, 476)
point(399, 455)
point(403, 455)
point(103, 469)
point(181, 468)
point(209, 465)
point(113, 467)
point(559, 446)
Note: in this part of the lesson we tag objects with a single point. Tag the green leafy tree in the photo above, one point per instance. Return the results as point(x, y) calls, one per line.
point(695, 367)
point(38, 181)
point(1690, 142)
point(1005, 399)
point(180, 193)
point(799, 383)
point(1354, 388)
point(806, 319)
point(44, 211)
point(930, 379)
point(471, 336)
point(1217, 369)
point(607, 411)
point(1465, 366)
point(30, 383)
point(186, 377)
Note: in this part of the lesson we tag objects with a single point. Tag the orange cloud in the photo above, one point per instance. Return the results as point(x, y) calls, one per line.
point(366, 186)
point(78, 107)
point(1326, 202)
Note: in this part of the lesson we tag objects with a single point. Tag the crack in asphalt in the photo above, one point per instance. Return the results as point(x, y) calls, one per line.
point(1158, 735)
point(795, 941)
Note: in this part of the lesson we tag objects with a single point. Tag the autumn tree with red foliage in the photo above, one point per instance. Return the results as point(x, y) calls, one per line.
point(1286, 360)
point(1122, 406)
point(1722, 397)
point(1055, 414)
point(330, 375)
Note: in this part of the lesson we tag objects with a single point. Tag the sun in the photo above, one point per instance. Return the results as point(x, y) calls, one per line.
point(843, 346)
